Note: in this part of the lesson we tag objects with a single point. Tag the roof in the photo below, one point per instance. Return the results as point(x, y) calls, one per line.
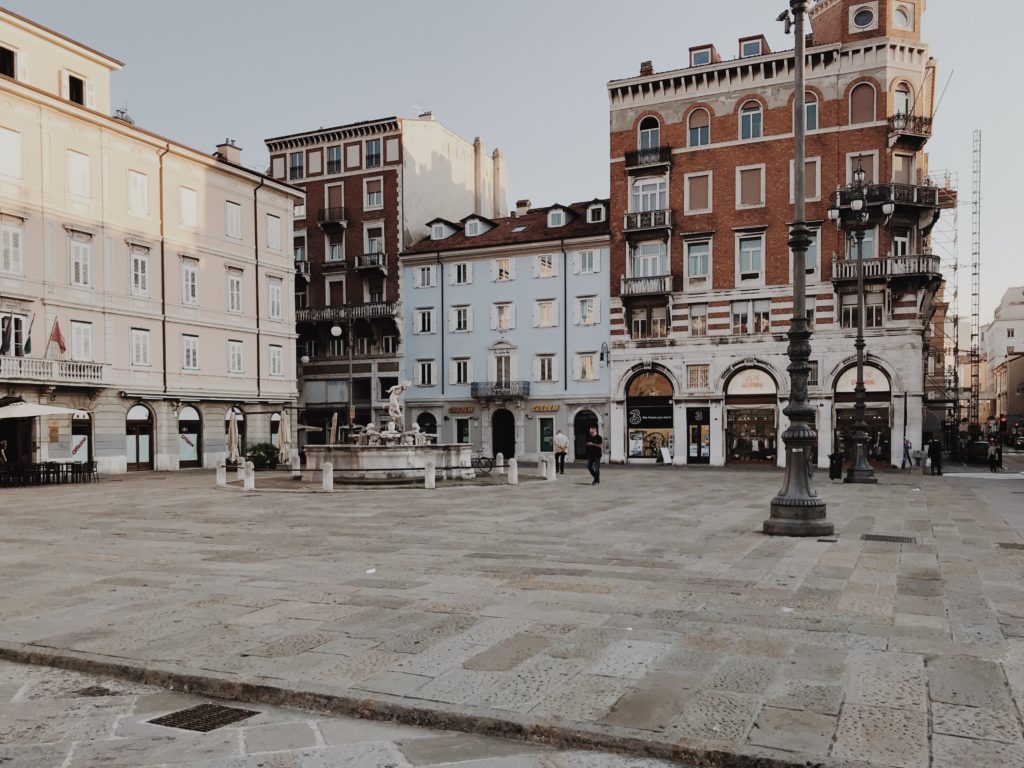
point(535, 229)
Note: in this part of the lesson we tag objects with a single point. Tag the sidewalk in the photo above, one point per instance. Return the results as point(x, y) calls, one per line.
point(646, 615)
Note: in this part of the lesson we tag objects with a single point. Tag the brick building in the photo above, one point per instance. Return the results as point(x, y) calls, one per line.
point(701, 199)
point(370, 187)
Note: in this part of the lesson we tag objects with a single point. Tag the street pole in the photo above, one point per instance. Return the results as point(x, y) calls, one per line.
point(860, 471)
point(797, 510)
point(348, 348)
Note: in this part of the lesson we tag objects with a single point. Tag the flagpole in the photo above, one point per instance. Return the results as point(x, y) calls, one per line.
point(27, 345)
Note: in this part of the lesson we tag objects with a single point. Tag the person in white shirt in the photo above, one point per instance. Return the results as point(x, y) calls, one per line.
point(561, 448)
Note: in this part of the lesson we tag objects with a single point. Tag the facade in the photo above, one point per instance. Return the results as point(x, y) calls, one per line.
point(142, 281)
point(506, 328)
point(1002, 342)
point(701, 198)
point(370, 187)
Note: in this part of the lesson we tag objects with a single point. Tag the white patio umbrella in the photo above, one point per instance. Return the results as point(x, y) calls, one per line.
point(334, 429)
point(284, 439)
point(31, 410)
point(233, 451)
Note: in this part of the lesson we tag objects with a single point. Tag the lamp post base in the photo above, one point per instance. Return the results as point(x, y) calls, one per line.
point(786, 525)
point(860, 471)
point(797, 510)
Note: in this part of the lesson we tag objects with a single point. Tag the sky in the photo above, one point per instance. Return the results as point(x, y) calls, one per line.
point(528, 76)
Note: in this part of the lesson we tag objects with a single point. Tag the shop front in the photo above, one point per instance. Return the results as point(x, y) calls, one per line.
point(649, 418)
point(877, 414)
point(752, 418)
point(698, 435)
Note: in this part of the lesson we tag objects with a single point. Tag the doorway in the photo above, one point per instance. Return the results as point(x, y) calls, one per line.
point(139, 438)
point(189, 438)
point(581, 431)
point(81, 439)
point(503, 433)
point(698, 441)
point(427, 423)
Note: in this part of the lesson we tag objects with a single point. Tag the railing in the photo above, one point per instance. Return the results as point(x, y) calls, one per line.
point(484, 389)
point(302, 267)
point(890, 266)
point(901, 194)
point(334, 166)
point(648, 220)
point(645, 286)
point(650, 156)
point(334, 215)
point(37, 369)
point(294, 173)
point(372, 261)
point(346, 311)
point(914, 125)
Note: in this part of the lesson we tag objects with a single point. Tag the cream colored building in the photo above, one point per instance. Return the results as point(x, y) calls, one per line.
point(167, 271)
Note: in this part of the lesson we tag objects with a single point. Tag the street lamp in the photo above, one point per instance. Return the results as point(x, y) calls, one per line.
point(336, 331)
point(797, 510)
point(863, 212)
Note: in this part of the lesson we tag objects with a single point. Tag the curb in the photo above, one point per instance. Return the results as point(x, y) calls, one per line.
point(382, 707)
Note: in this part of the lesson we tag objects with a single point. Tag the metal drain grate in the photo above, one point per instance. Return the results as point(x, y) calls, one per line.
point(204, 717)
point(891, 539)
point(95, 690)
point(1009, 545)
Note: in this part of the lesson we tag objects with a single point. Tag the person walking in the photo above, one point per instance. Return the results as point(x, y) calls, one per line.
point(935, 456)
point(993, 457)
point(835, 465)
point(561, 448)
point(595, 445)
point(907, 461)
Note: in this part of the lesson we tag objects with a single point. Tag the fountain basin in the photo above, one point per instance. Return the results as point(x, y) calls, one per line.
point(388, 463)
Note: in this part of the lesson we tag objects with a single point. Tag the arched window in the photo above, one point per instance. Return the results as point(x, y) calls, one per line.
point(427, 423)
point(700, 128)
point(139, 435)
point(190, 436)
point(751, 121)
point(862, 104)
point(902, 102)
point(650, 133)
point(810, 111)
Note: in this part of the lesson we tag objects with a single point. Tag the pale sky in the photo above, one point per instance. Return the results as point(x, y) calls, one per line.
point(527, 76)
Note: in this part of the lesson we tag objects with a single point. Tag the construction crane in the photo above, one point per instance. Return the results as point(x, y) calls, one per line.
point(973, 402)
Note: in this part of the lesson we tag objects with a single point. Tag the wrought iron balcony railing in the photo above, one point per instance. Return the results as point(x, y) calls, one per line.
point(50, 371)
point(336, 215)
point(487, 389)
point(887, 267)
point(913, 125)
point(642, 220)
point(901, 194)
point(645, 286)
point(638, 158)
point(372, 261)
point(347, 311)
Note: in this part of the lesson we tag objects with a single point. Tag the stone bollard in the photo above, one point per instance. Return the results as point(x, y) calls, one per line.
point(549, 466)
point(513, 472)
point(222, 473)
point(296, 464)
point(328, 473)
point(249, 479)
point(240, 470)
point(430, 475)
point(499, 463)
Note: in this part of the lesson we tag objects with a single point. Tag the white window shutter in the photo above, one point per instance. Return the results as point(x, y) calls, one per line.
point(554, 312)
point(536, 368)
point(452, 372)
point(494, 317)
point(416, 277)
point(535, 265)
point(536, 314)
point(22, 66)
point(451, 273)
point(512, 316)
point(576, 262)
point(494, 269)
point(512, 271)
point(492, 368)
point(469, 318)
point(433, 321)
point(576, 311)
point(416, 323)
point(597, 259)
point(451, 320)
point(576, 368)
point(65, 85)
point(554, 367)
point(514, 367)
point(90, 95)
point(469, 272)
point(597, 310)
point(554, 263)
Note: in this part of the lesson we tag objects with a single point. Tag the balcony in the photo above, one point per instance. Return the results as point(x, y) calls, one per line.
point(332, 218)
point(645, 160)
point(914, 130)
point(486, 390)
point(910, 195)
point(302, 269)
point(888, 268)
point(50, 371)
point(645, 286)
point(377, 261)
point(648, 221)
point(370, 311)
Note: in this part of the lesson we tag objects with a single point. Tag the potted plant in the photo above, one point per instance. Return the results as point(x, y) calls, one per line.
point(262, 455)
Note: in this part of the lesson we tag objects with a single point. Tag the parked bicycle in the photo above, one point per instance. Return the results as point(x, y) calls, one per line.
point(484, 463)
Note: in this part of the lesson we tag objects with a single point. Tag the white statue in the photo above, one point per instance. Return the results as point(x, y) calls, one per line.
point(395, 402)
point(371, 435)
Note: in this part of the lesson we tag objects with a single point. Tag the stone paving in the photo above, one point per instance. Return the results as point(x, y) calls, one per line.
point(647, 615)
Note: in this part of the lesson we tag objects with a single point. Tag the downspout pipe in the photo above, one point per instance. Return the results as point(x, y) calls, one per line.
point(163, 270)
point(256, 253)
point(441, 325)
point(565, 317)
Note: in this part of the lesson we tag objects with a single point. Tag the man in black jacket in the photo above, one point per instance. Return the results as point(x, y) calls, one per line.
point(595, 445)
point(935, 455)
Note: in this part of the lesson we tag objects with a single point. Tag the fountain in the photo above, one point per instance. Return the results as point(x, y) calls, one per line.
point(393, 454)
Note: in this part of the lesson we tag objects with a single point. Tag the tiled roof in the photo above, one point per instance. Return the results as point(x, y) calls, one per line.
point(533, 228)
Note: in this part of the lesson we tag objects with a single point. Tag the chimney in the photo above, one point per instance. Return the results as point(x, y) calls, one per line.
point(229, 152)
point(646, 68)
point(522, 206)
point(426, 115)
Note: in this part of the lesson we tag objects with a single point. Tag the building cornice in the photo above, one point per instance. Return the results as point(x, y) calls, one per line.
point(497, 250)
point(330, 135)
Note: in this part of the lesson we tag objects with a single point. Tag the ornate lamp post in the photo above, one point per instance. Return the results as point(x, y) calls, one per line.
point(863, 211)
point(797, 510)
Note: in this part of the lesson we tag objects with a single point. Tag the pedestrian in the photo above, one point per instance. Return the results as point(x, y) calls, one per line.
point(561, 448)
point(594, 447)
point(993, 457)
point(935, 456)
point(835, 465)
point(907, 461)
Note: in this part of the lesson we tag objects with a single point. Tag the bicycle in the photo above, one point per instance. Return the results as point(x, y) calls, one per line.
point(484, 463)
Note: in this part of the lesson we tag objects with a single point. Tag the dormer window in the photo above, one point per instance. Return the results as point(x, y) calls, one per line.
point(556, 218)
point(472, 228)
point(750, 48)
point(595, 214)
point(700, 57)
point(437, 232)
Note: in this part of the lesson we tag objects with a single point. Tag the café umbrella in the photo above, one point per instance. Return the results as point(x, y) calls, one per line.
point(32, 410)
point(233, 452)
point(284, 439)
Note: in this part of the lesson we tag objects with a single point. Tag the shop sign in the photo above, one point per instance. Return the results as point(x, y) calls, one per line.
point(462, 409)
point(649, 416)
point(546, 408)
point(874, 380)
point(751, 381)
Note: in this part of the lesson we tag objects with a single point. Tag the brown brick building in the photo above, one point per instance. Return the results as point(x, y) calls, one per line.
point(701, 200)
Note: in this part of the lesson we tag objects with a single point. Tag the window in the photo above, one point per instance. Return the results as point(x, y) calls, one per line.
point(7, 68)
point(698, 262)
point(334, 159)
point(586, 310)
point(140, 271)
point(189, 281)
point(374, 239)
point(698, 319)
point(275, 293)
point(901, 237)
point(901, 101)
point(138, 192)
point(472, 227)
point(649, 323)
point(234, 290)
point(862, 104)
point(903, 17)
point(373, 153)
point(301, 297)
point(741, 317)
point(425, 373)
point(460, 370)
point(461, 319)
point(75, 89)
point(699, 128)
point(903, 168)
point(750, 186)
point(236, 363)
point(873, 310)
point(812, 258)
point(336, 252)
point(650, 134)
point(462, 431)
point(502, 368)
point(545, 265)
point(424, 321)
point(866, 160)
point(751, 250)
point(750, 48)
point(697, 189)
point(140, 346)
point(556, 218)
point(81, 341)
point(190, 352)
point(10, 153)
point(700, 57)
point(698, 375)
point(545, 368)
point(424, 277)
point(595, 214)
point(812, 373)
point(587, 262)
point(1009, 333)
point(504, 317)
point(374, 193)
point(78, 174)
point(649, 195)
point(81, 263)
point(273, 232)
point(276, 360)
point(649, 260)
point(545, 313)
point(812, 180)
point(503, 269)
point(750, 121)
point(585, 368)
point(761, 316)
point(389, 345)
point(437, 232)
point(295, 166)
point(233, 219)
point(867, 248)
point(863, 18)
point(462, 276)
point(11, 259)
point(187, 209)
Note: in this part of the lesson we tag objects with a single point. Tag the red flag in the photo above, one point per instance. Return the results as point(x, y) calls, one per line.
point(58, 338)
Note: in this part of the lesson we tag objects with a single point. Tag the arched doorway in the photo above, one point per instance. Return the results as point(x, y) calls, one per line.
point(649, 422)
point(275, 428)
point(752, 417)
point(581, 430)
point(427, 423)
point(139, 438)
point(877, 414)
point(240, 422)
point(81, 439)
point(503, 433)
point(190, 438)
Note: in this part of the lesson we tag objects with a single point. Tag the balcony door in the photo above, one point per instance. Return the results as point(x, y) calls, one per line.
point(139, 438)
point(649, 260)
point(503, 430)
point(503, 369)
point(649, 195)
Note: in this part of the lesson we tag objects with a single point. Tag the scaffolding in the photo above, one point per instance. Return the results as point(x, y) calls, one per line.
point(973, 402)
